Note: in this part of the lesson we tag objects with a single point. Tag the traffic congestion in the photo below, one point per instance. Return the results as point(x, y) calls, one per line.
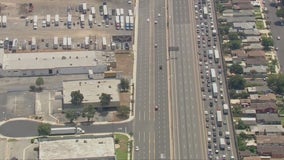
point(216, 111)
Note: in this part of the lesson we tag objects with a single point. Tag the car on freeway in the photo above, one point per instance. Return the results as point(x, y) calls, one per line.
point(278, 38)
point(156, 108)
point(161, 67)
point(136, 148)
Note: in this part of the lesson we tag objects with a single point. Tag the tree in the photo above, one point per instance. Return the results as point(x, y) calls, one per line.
point(44, 129)
point(267, 42)
point(236, 68)
point(224, 29)
point(276, 83)
point(39, 82)
point(237, 111)
point(241, 125)
point(105, 99)
point(233, 36)
point(237, 82)
point(89, 112)
point(71, 115)
point(123, 112)
point(76, 97)
point(235, 44)
point(280, 13)
point(124, 84)
point(220, 7)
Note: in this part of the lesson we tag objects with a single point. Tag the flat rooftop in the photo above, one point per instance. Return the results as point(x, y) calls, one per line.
point(77, 149)
point(50, 60)
point(91, 89)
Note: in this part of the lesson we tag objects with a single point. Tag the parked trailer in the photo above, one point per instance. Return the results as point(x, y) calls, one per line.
point(55, 43)
point(127, 22)
point(35, 22)
point(131, 22)
point(66, 130)
point(69, 43)
point(4, 21)
point(14, 45)
point(48, 20)
point(121, 22)
point(130, 13)
point(64, 43)
point(56, 20)
point(69, 20)
point(117, 12)
point(225, 108)
point(82, 20)
point(93, 12)
point(87, 42)
point(84, 8)
point(105, 10)
point(216, 55)
point(121, 11)
point(117, 22)
point(33, 46)
point(104, 43)
point(219, 118)
point(215, 89)
point(213, 74)
point(90, 20)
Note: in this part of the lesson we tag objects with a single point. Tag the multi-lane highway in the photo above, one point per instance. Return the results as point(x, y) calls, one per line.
point(151, 127)
point(187, 121)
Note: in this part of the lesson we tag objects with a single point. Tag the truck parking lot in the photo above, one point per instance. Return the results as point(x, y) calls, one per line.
point(45, 20)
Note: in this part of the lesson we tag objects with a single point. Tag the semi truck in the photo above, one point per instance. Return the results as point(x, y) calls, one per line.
point(117, 22)
point(93, 12)
point(56, 20)
point(225, 108)
point(213, 74)
point(69, 20)
point(210, 53)
point(66, 131)
point(122, 22)
point(219, 118)
point(222, 143)
point(48, 20)
point(4, 21)
point(131, 22)
point(127, 22)
point(215, 89)
point(216, 56)
point(35, 22)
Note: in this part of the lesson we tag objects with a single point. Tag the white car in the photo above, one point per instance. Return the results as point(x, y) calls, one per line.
point(136, 148)
point(159, 14)
point(148, 19)
point(278, 38)
point(156, 22)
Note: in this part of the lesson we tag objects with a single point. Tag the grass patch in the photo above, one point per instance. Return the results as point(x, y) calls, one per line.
point(282, 121)
point(259, 25)
point(122, 151)
point(12, 140)
point(257, 9)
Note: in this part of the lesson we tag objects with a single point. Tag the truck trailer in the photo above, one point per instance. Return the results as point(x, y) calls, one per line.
point(48, 20)
point(213, 74)
point(225, 108)
point(222, 144)
point(4, 21)
point(56, 20)
point(35, 22)
point(216, 56)
point(66, 131)
point(219, 118)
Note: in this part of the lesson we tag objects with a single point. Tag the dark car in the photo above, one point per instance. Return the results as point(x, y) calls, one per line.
point(211, 104)
point(156, 108)
point(161, 67)
point(214, 139)
point(126, 46)
point(220, 133)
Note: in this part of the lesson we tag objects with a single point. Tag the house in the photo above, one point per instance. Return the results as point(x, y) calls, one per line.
point(243, 6)
point(240, 1)
point(246, 153)
point(240, 26)
point(243, 13)
point(267, 107)
point(249, 120)
point(228, 13)
point(269, 97)
point(257, 158)
point(239, 53)
point(256, 53)
point(275, 151)
point(251, 39)
point(260, 129)
point(260, 71)
point(256, 62)
point(268, 118)
point(270, 139)
point(263, 89)
point(251, 32)
point(253, 46)
point(251, 89)
point(239, 19)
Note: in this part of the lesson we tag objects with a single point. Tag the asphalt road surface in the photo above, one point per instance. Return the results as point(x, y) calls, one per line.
point(188, 126)
point(151, 128)
point(26, 128)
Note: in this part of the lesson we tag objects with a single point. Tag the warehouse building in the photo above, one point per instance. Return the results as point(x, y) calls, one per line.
point(91, 90)
point(55, 63)
point(75, 149)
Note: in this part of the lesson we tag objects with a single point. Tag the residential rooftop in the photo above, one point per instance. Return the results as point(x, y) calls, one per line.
point(77, 149)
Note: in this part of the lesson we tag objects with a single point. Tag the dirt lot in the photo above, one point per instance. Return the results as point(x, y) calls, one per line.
point(16, 12)
point(125, 64)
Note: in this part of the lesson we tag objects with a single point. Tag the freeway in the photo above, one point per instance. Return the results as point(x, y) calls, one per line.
point(151, 128)
point(187, 124)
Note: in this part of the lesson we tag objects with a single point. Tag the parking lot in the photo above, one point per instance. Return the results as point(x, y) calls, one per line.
point(21, 17)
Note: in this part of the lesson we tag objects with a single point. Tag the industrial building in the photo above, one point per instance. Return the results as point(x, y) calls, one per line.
point(91, 90)
point(54, 63)
point(97, 148)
